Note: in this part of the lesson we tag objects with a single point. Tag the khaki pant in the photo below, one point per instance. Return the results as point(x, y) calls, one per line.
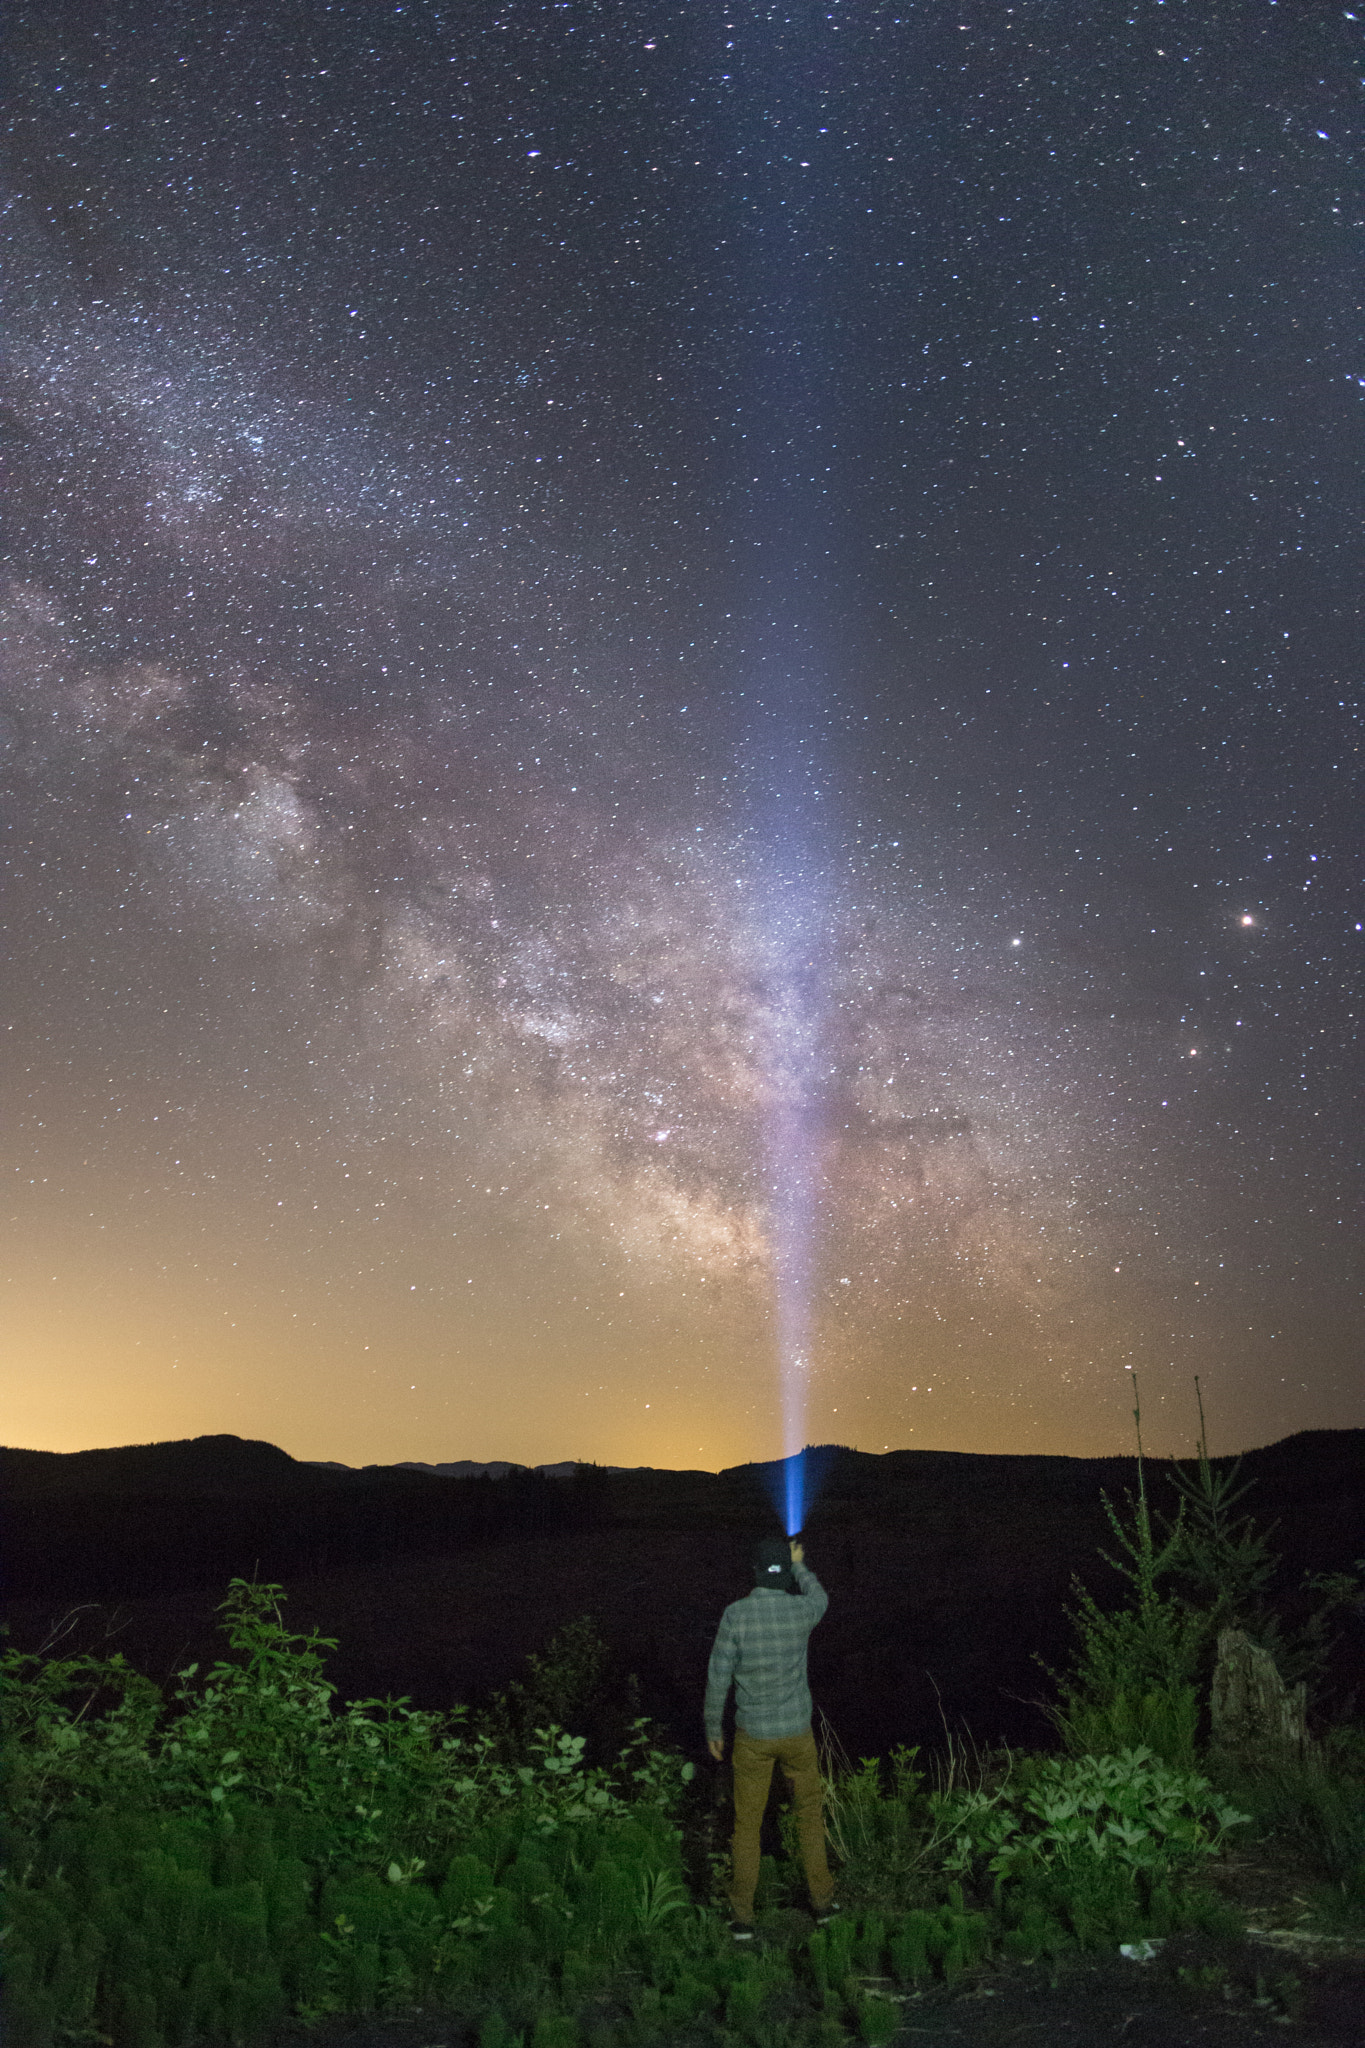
point(754, 1760)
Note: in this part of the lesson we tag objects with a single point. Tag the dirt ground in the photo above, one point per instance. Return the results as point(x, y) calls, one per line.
point(1276, 1984)
point(1278, 1981)
point(1201, 1992)
point(1196, 1994)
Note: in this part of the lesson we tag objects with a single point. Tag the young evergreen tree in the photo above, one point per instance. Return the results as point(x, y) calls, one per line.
point(1134, 1679)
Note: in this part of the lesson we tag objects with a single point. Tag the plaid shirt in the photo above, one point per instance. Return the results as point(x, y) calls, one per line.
point(761, 1645)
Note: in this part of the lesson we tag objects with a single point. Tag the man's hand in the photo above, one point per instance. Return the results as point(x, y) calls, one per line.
point(798, 1552)
point(717, 1747)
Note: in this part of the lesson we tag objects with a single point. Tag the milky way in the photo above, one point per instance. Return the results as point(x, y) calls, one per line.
point(679, 686)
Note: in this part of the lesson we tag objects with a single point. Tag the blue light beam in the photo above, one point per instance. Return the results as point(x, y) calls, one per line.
point(794, 1134)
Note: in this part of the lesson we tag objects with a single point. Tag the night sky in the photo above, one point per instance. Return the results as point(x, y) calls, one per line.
point(681, 718)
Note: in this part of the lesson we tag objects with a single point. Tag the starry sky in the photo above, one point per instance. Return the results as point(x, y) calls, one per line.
point(680, 725)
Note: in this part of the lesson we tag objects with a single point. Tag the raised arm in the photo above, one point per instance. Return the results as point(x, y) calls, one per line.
point(811, 1589)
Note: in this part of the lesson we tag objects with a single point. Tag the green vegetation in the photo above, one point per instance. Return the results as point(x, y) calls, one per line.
point(199, 1869)
point(1141, 1679)
point(1143, 1668)
point(195, 1871)
point(1315, 1806)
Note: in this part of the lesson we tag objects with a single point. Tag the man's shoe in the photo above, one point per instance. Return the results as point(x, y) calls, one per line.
point(828, 1913)
point(741, 1930)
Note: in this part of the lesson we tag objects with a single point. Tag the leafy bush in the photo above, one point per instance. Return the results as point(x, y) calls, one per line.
point(573, 1683)
point(1090, 1849)
point(385, 1779)
point(1069, 1814)
point(57, 1748)
point(194, 1871)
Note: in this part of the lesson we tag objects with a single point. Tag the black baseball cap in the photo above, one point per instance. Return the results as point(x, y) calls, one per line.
point(772, 1562)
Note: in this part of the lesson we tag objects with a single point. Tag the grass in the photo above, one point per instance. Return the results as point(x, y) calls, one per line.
point(1313, 1807)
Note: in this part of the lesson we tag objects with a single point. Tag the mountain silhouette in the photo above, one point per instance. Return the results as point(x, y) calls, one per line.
point(949, 1573)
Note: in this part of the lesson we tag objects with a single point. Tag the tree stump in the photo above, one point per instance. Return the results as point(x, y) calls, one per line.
point(1250, 1707)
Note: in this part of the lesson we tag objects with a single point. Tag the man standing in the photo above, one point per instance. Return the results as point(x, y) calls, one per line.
point(761, 1646)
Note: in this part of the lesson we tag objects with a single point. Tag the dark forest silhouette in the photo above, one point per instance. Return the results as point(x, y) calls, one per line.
point(949, 1574)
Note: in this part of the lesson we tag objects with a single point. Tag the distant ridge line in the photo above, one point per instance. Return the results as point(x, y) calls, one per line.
point(469, 1468)
point(224, 1464)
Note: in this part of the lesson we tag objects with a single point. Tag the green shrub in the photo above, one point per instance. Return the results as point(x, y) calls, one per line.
point(555, 2030)
point(840, 1936)
point(497, 2032)
point(1032, 1931)
point(869, 1943)
point(1223, 1559)
point(1089, 1848)
point(261, 1727)
point(744, 2001)
point(879, 1825)
point(1131, 1810)
point(1162, 1720)
point(1142, 1669)
point(909, 1949)
point(878, 2020)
